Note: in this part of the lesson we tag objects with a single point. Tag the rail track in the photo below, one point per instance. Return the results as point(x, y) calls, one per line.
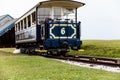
point(88, 59)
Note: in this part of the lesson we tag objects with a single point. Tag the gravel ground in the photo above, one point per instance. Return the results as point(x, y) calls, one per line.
point(94, 66)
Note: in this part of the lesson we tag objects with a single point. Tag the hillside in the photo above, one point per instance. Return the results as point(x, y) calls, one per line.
point(102, 48)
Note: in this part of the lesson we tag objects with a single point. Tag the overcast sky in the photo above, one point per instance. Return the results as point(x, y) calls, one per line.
point(100, 18)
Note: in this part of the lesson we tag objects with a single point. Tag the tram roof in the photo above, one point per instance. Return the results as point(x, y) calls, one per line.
point(61, 3)
point(58, 3)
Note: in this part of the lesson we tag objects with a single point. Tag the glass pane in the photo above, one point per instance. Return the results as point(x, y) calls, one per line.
point(43, 13)
point(69, 14)
point(57, 12)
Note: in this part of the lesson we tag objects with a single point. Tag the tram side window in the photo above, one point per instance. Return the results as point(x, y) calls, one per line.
point(25, 23)
point(29, 21)
point(22, 25)
point(33, 18)
point(18, 26)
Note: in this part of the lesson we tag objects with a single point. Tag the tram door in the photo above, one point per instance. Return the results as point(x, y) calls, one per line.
point(43, 32)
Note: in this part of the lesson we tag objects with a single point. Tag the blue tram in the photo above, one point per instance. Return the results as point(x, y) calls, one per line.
point(50, 26)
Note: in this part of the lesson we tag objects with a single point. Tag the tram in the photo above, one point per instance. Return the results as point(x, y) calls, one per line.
point(50, 26)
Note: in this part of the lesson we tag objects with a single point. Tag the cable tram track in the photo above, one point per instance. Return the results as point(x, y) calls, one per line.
point(88, 59)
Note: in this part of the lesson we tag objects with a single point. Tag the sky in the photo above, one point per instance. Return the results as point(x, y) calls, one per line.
point(100, 19)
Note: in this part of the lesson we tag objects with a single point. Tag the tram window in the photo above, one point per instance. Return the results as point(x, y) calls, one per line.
point(43, 13)
point(33, 18)
point(22, 25)
point(18, 26)
point(69, 13)
point(25, 23)
point(57, 12)
point(29, 21)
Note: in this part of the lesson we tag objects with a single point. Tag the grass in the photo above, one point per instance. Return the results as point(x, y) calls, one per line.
point(24, 67)
point(102, 48)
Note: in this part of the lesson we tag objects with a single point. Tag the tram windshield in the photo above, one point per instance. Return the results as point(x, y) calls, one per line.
point(56, 13)
point(43, 13)
point(64, 13)
point(69, 14)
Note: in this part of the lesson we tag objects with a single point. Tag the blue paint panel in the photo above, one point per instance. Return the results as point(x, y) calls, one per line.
point(55, 42)
point(67, 31)
point(73, 42)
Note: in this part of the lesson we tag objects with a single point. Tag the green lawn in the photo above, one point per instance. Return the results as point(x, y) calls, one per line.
point(24, 67)
point(102, 48)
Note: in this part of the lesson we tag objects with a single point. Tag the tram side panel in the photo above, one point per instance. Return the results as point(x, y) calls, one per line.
point(26, 36)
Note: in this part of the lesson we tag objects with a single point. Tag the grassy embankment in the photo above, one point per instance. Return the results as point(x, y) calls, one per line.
point(24, 67)
point(102, 48)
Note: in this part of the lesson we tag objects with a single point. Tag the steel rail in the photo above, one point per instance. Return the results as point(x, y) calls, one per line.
point(88, 59)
